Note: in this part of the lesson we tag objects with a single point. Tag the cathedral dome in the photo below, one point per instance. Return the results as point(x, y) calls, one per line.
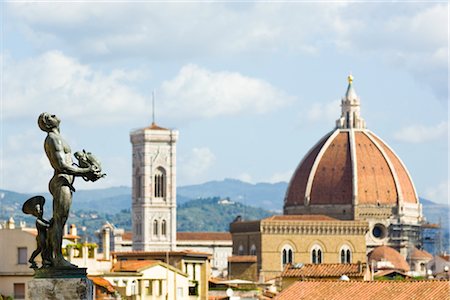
point(350, 166)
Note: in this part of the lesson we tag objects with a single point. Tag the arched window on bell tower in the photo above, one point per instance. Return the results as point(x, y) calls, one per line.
point(155, 228)
point(160, 183)
point(163, 228)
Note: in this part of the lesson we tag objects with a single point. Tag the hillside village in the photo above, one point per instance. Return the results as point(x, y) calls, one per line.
point(351, 220)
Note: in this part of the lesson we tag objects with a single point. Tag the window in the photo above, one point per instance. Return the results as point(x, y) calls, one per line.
point(346, 255)
point(160, 183)
point(287, 255)
point(193, 288)
point(138, 186)
point(149, 287)
point(160, 283)
point(155, 227)
point(379, 231)
point(253, 250)
point(19, 290)
point(22, 255)
point(163, 227)
point(241, 250)
point(316, 254)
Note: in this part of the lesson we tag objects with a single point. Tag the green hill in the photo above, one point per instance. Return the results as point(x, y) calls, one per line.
point(214, 214)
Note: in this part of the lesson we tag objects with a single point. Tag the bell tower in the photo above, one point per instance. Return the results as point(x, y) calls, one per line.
point(154, 188)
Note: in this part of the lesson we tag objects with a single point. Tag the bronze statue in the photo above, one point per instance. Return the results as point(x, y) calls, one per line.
point(61, 184)
point(35, 206)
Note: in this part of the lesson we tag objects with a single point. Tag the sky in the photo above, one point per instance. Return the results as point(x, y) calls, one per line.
point(250, 86)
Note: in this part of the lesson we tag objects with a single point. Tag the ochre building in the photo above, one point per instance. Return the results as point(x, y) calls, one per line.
point(290, 239)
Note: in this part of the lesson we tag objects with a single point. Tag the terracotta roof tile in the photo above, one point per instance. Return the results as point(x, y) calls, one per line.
point(324, 270)
point(127, 236)
point(332, 181)
point(367, 290)
point(299, 218)
point(382, 273)
point(420, 254)
point(132, 265)
point(295, 194)
point(100, 281)
point(153, 126)
point(385, 253)
point(375, 181)
point(405, 181)
point(204, 236)
point(333, 178)
point(242, 258)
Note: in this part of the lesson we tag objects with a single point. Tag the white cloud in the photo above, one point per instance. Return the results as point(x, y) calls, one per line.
point(245, 177)
point(280, 176)
point(199, 93)
point(55, 82)
point(421, 133)
point(194, 166)
point(403, 34)
point(438, 193)
point(324, 112)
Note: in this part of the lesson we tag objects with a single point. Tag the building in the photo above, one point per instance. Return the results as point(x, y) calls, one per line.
point(289, 239)
point(14, 254)
point(147, 280)
point(440, 266)
point(194, 264)
point(352, 174)
point(367, 290)
point(217, 244)
point(418, 261)
point(154, 188)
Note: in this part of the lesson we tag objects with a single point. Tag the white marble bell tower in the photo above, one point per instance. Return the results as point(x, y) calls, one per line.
point(154, 188)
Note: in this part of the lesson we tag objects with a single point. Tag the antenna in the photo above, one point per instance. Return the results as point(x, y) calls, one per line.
point(153, 107)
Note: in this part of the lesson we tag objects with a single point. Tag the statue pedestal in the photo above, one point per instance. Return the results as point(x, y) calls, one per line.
point(60, 284)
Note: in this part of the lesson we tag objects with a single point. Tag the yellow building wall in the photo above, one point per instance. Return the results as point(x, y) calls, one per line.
point(272, 247)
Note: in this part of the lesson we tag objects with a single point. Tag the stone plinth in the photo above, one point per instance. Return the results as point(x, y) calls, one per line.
point(60, 289)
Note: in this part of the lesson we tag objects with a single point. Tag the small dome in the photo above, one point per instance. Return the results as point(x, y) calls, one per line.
point(388, 254)
point(417, 254)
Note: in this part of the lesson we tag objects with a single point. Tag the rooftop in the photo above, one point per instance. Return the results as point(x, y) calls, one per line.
point(299, 218)
point(242, 258)
point(324, 270)
point(367, 290)
point(203, 236)
point(132, 265)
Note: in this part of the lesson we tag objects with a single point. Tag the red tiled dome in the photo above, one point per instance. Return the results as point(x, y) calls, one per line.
point(349, 166)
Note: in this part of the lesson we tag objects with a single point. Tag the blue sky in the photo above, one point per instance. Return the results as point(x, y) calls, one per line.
point(250, 86)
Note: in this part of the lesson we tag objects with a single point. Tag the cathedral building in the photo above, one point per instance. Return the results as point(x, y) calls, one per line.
point(352, 174)
point(154, 188)
point(349, 195)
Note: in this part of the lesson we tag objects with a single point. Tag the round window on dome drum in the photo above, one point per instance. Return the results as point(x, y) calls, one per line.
point(379, 231)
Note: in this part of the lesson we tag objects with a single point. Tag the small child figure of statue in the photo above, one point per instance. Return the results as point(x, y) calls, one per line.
point(35, 207)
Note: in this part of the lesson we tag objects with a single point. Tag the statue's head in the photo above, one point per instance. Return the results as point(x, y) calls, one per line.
point(48, 121)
